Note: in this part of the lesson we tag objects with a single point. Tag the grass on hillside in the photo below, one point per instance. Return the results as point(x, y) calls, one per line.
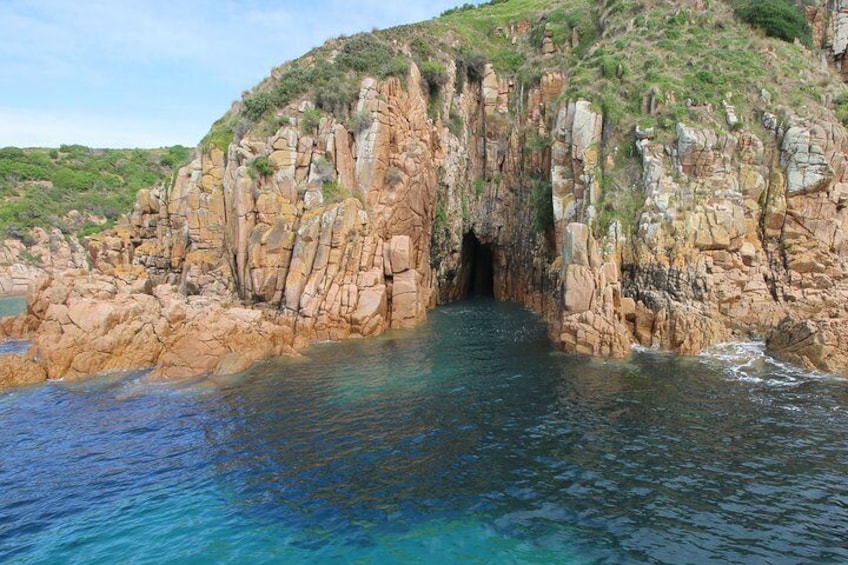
point(681, 59)
point(624, 51)
point(39, 186)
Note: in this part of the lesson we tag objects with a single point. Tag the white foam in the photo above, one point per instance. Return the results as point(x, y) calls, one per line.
point(749, 362)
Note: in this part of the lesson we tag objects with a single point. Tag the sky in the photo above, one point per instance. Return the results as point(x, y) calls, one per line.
point(152, 73)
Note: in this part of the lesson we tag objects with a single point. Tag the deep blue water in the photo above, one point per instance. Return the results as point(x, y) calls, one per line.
point(467, 440)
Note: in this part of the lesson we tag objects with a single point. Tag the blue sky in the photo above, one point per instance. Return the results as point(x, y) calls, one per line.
point(148, 73)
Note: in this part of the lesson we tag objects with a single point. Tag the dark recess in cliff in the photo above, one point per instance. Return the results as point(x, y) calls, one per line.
point(478, 272)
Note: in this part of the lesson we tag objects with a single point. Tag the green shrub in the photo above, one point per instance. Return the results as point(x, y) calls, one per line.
point(778, 18)
point(537, 143)
point(841, 109)
point(364, 53)
point(367, 53)
point(461, 67)
point(609, 68)
point(175, 156)
point(541, 196)
point(471, 66)
point(455, 124)
point(220, 135)
point(332, 192)
point(295, 82)
point(441, 220)
point(310, 120)
point(435, 76)
point(479, 187)
point(102, 182)
point(463, 8)
point(508, 61)
point(260, 167)
point(324, 169)
point(73, 179)
point(337, 97)
point(91, 228)
point(12, 154)
point(255, 106)
point(361, 121)
point(421, 48)
point(394, 67)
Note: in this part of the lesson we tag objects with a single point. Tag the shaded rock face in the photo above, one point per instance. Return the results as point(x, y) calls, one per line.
point(356, 232)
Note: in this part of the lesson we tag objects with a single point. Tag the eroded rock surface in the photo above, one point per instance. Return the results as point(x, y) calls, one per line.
point(360, 230)
point(47, 253)
point(20, 370)
point(819, 343)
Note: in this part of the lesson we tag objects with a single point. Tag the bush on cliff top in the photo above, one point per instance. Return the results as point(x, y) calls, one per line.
point(778, 18)
point(334, 84)
point(40, 186)
point(661, 58)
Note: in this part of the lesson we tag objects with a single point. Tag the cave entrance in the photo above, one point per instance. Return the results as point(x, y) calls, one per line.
point(478, 267)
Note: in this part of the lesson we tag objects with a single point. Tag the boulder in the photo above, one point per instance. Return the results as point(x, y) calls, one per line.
point(20, 370)
point(820, 343)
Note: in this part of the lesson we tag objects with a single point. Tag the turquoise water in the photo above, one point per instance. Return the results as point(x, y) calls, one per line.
point(12, 305)
point(467, 440)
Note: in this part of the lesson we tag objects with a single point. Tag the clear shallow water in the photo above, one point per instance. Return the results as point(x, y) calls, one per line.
point(466, 440)
point(12, 305)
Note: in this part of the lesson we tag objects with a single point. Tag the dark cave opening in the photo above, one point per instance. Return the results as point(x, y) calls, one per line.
point(478, 267)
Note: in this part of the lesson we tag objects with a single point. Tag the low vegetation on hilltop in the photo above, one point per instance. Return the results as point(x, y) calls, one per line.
point(644, 64)
point(641, 61)
point(38, 186)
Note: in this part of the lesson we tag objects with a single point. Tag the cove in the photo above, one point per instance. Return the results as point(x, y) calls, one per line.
point(467, 439)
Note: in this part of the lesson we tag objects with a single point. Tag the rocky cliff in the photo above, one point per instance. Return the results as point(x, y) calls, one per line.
point(45, 252)
point(50, 199)
point(674, 198)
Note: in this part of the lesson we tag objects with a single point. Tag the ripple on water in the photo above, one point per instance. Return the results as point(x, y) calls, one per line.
point(465, 440)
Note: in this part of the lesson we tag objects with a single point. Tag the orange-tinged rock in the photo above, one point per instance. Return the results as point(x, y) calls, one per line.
point(20, 370)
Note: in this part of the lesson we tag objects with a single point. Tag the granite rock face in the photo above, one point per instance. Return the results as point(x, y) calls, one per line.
point(20, 370)
point(49, 252)
point(358, 230)
point(817, 343)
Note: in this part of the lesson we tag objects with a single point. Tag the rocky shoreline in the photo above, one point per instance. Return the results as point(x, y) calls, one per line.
point(736, 230)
